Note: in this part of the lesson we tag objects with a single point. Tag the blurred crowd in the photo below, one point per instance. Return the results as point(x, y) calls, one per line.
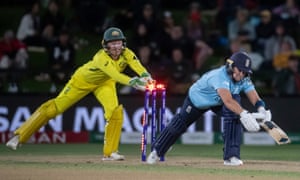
point(177, 45)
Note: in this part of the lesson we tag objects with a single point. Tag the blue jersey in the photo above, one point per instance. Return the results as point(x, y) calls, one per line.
point(203, 93)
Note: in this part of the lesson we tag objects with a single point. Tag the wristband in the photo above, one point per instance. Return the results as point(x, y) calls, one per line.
point(260, 103)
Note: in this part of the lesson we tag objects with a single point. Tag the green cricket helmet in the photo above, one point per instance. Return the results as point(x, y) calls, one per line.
point(113, 34)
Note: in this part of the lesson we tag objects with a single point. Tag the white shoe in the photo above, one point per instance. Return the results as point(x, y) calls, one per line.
point(152, 158)
point(115, 156)
point(13, 143)
point(233, 161)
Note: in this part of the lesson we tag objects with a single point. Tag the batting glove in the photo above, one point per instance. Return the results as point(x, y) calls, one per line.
point(249, 122)
point(267, 113)
point(138, 83)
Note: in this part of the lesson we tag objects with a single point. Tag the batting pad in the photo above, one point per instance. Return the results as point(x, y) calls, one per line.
point(113, 129)
point(38, 119)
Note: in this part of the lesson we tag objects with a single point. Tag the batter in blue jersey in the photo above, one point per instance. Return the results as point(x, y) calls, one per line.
point(203, 93)
point(217, 90)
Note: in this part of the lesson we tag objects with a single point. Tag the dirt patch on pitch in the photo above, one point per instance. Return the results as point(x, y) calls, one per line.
point(91, 167)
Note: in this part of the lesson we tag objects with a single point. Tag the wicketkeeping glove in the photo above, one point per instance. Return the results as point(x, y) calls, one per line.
point(249, 122)
point(147, 77)
point(138, 83)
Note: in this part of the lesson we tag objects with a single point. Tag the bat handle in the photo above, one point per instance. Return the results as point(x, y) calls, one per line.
point(258, 115)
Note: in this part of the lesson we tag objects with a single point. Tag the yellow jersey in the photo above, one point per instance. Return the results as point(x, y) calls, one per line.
point(102, 68)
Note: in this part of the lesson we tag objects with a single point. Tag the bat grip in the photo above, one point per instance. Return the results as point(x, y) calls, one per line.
point(258, 115)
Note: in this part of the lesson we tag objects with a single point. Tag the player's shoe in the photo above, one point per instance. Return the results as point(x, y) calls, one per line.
point(153, 157)
point(115, 156)
point(233, 161)
point(13, 143)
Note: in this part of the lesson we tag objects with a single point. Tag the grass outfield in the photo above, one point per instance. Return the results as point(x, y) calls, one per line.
point(83, 161)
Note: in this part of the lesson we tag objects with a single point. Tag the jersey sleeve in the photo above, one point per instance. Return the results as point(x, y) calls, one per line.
point(248, 85)
point(108, 68)
point(133, 62)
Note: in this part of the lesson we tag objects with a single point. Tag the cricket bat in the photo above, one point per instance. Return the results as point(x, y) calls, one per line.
point(272, 129)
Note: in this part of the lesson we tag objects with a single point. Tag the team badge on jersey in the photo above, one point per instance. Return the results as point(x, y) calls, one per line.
point(122, 64)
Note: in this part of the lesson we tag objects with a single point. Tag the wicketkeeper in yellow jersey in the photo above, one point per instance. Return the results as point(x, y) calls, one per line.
point(98, 76)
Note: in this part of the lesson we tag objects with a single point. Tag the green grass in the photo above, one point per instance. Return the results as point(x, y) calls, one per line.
point(278, 153)
point(86, 158)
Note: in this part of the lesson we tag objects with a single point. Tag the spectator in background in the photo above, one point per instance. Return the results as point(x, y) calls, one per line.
point(180, 73)
point(30, 27)
point(52, 21)
point(152, 62)
point(195, 32)
point(178, 39)
point(280, 59)
point(225, 12)
point(149, 19)
point(62, 58)
point(278, 48)
point(13, 59)
point(168, 23)
point(196, 50)
point(234, 46)
point(288, 12)
point(61, 61)
point(274, 42)
point(264, 30)
point(146, 29)
point(230, 6)
point(145, 55)
point(241, 28)
point(142, 37)
point(287, 80)
point(165, 35)
point(202, 52)
point(194, 29)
